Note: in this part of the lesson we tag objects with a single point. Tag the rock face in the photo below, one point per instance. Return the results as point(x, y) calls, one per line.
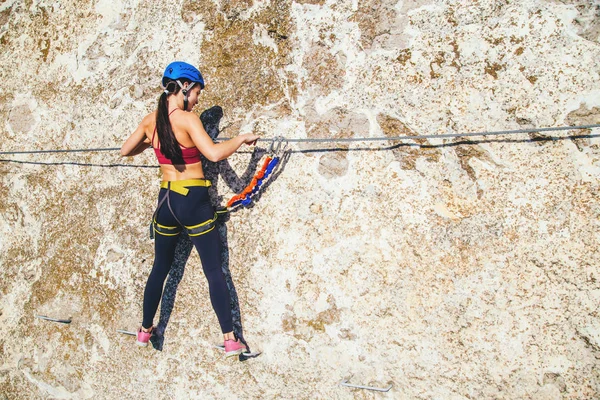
point(451, 269)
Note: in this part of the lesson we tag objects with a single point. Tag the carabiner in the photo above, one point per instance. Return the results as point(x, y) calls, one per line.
point(271, 150)
point(281, 148)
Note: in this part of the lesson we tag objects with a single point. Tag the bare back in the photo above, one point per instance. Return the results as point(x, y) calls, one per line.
point(179, 125)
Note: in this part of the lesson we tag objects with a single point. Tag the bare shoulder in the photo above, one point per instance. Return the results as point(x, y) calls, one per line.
point(148, 123)
point(149, 119)
point(186, 120)
point(188, 116)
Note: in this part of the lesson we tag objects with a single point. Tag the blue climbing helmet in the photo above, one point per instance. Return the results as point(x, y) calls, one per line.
point(181, 70)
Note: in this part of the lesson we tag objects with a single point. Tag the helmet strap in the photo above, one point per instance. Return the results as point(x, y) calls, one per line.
point(185, 92)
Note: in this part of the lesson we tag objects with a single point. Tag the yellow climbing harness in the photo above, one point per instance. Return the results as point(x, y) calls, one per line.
point(181, 187)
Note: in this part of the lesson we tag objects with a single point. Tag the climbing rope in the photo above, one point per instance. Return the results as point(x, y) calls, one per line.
point(61, 151)
point(342, 140)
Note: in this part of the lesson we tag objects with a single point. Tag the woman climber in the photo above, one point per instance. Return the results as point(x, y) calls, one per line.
point(178, 139)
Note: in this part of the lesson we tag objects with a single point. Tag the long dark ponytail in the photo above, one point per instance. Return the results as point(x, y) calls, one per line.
point(168, 143)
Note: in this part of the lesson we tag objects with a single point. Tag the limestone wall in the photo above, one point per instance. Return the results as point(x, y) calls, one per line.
point(451, 269)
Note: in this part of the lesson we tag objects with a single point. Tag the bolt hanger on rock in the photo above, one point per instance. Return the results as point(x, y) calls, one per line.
point(345, 383)
point(60, 321)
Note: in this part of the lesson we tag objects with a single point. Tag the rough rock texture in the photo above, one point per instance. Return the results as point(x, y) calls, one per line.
point(453, 269)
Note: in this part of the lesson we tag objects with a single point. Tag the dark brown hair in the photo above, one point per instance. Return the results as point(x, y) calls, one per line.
point(168, 143)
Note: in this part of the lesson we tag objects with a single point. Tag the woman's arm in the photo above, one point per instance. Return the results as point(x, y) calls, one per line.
point(215, 151)
point(137, 142)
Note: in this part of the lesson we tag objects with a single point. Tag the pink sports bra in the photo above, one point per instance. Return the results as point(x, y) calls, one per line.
point(191, 155)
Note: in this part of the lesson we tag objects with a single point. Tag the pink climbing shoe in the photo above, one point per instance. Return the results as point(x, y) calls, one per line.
point(144, 337)
point(234, 348)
